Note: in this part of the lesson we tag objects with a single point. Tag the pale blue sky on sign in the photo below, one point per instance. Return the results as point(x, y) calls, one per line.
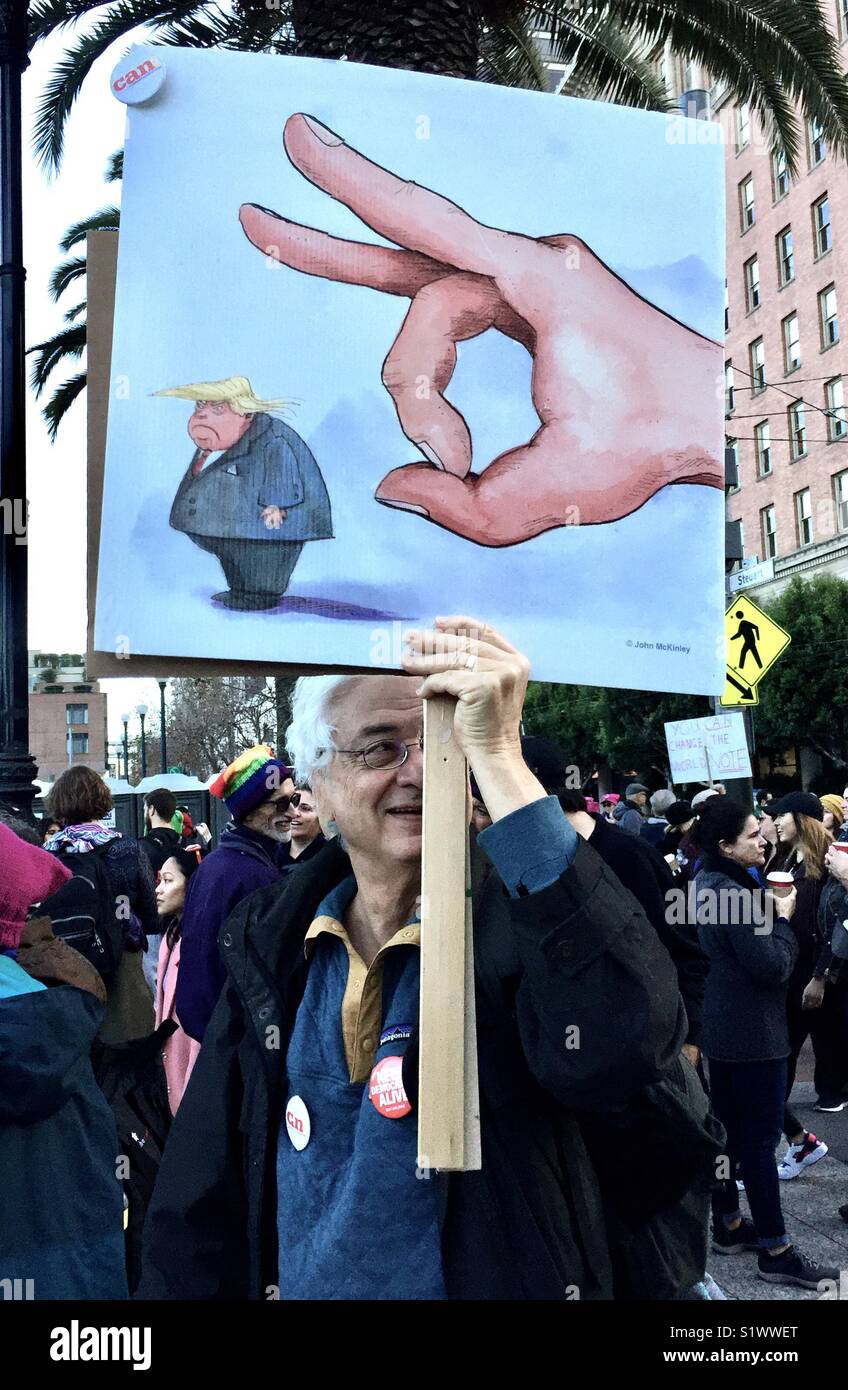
point(197, 302)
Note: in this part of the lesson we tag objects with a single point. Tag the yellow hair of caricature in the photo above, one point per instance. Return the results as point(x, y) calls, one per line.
point(235, 390)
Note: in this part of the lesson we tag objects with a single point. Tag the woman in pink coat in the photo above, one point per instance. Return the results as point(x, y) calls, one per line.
point(180, 1051)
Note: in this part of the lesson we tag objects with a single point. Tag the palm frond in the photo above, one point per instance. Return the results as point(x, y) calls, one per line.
point(248, 31)
point(610, 64)
point(70, 342)
point(770, 53)
point(63, 85)
point(75, 312)
point(510, 56)
point(61, 401)
point(115, 167)
point(45, 16)
point(106, 220)
point(64, 275)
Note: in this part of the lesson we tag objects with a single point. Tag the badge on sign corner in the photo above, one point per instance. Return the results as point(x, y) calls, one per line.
point(385, 1089)
point(137, 77)
point(298, 1125)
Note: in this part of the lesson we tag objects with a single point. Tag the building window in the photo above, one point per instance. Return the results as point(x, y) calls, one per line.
point(804, 516)
point(758, 366)
point(779, 175)
point(822, 234)
point(747, 211)
point(743, 126)
point(828, 316)
point(837, 420)
point(752, 283)
point(768, 526)
point(726, 308)
point(729, 388)
point(797, 430)
point(77, 714)
point(79, 743)
point(732, 448)
point(842, 8)
point(840, 497)
point(816, 141)
point(791, 343)
point(785, 257)
point(762, 443)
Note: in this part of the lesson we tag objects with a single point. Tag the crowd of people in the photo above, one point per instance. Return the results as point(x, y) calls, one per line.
point(195, 1042)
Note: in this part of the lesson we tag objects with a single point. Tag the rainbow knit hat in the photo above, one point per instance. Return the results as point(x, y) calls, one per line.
point(249, 780)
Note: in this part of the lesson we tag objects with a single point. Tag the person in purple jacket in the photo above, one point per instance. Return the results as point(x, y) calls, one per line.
point(253, 852)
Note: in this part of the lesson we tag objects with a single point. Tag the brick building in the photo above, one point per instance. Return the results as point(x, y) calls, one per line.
point(786, 349)
point(67, 715)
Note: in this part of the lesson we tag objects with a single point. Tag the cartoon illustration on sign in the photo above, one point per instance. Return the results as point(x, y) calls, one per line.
point(253, 493)
point(486, 412)
point(578, 320)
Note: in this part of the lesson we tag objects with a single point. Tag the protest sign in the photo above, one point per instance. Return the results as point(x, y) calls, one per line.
point(466, 364)
point(708, 749)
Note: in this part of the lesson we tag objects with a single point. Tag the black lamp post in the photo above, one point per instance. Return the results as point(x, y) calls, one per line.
point(141, 711)
point(17, 765)
point(125, 719)
point(163, 737)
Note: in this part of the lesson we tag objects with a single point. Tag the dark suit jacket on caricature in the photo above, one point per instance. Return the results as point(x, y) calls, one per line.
point(270, 466)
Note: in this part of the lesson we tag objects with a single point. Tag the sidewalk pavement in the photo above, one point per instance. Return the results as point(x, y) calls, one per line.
point(809, 1204)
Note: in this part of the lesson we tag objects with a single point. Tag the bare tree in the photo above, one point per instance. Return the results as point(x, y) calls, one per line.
point(213, 719)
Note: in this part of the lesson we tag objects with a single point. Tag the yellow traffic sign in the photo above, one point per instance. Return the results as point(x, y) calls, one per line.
point(754, 642)
point(737, 694)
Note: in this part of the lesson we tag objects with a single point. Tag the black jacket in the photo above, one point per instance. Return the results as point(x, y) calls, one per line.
point(750, 968)
point(159, 844)
point(642, 870)
point(534, 1221)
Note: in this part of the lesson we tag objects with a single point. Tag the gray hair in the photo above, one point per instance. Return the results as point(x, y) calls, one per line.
point(661, 800)
point(309, 737)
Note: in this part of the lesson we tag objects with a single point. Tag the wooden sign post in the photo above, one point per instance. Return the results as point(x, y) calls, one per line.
point(448, 1096)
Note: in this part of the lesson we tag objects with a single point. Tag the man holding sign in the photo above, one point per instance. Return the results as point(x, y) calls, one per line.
point(291, 1168)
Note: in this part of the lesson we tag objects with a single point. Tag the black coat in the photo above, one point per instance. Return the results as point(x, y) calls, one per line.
point(159, 844)
point(745, 1004)
point(534, 1221)
point(642, 870)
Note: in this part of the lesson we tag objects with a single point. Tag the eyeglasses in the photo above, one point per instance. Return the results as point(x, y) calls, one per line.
point(388, 753)
point(282, 803)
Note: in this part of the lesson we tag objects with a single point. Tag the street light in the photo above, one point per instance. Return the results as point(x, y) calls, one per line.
point(125, 719)
point(141, 711)
point(163, 738)
point(17, 765)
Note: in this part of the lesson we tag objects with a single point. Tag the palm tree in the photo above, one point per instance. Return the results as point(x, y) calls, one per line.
point(777, 55)
point(69, 342)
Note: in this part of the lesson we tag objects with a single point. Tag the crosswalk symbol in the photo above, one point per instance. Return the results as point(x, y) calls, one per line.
point(737, 694)
point(754, 642)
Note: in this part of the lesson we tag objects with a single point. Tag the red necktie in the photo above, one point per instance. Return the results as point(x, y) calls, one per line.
point(197, 466)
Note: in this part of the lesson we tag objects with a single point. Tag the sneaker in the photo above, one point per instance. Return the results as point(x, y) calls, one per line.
point(791, 1267)
point(732, 1242)
point(830, 1105)
point(801, 1156)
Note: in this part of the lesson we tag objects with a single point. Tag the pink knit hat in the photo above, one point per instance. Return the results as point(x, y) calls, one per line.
point(27, 875)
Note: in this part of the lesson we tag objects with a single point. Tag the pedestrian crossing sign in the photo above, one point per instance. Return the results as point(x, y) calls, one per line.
point(754, 642)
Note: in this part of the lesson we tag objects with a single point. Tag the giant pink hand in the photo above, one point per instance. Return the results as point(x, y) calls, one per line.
point(624, 393)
